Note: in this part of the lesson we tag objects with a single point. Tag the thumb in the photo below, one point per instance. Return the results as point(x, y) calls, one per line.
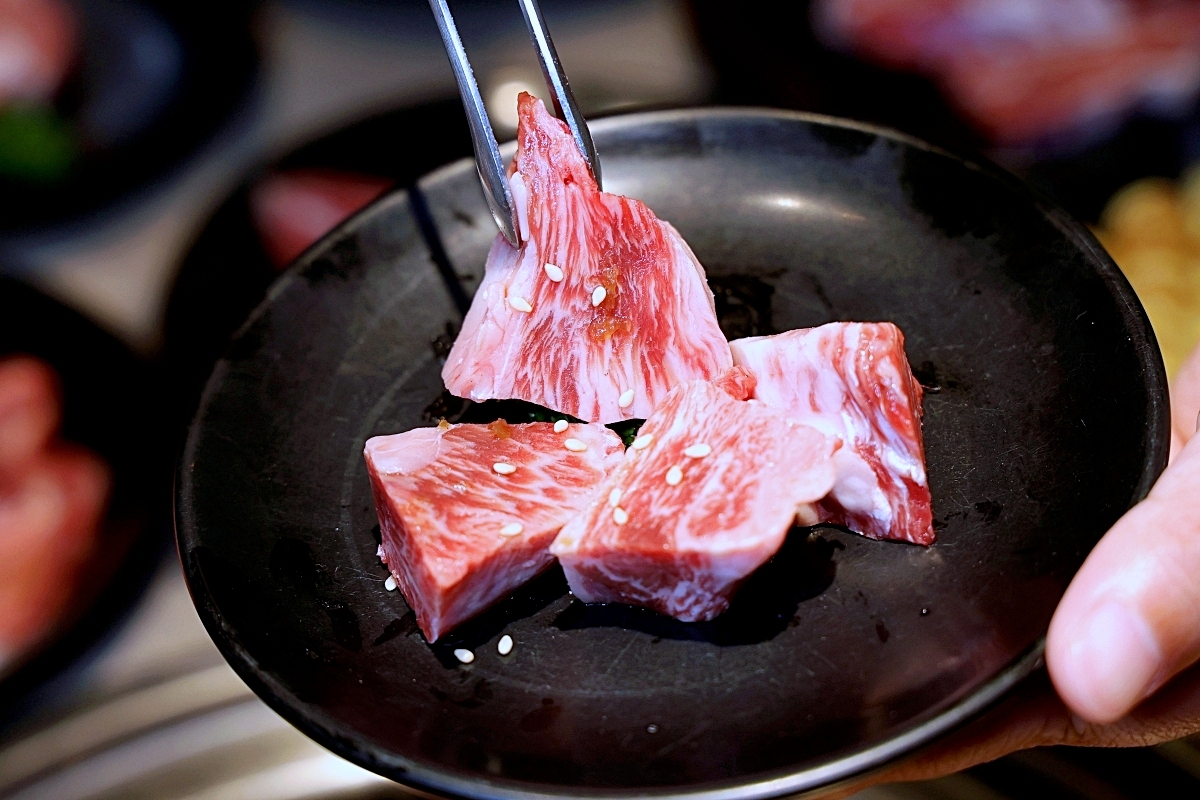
point(1130, 619)
point(1185, 399)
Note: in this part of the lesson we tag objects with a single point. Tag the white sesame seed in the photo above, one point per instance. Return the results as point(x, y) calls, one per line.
point(697, 451)
point(614, 497)
point(626, 398)
point(674, 476)
point(560, 426)
point(512, 529)
point(519, 303)
point(465, 656)
point(642, 442)
point(390, 583)
point(575, 446)
point(598, 295)
point(620, 515)
point(553, 272)
point(504, 646)
point(503, 469)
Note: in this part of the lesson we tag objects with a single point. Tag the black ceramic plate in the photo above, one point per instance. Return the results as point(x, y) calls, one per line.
point(112, 404)
point(1045, 418)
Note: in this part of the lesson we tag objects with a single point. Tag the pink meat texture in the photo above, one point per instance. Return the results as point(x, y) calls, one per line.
point(621, 316)
point(738, 383)
point(852, 381)
point(1028, 69)
point(294, 208)
point(458, 533)
point(38, 43)
point(53, 497)
point(683, 547)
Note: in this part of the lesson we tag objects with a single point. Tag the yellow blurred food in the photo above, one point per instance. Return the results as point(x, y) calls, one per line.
point(1152, 230)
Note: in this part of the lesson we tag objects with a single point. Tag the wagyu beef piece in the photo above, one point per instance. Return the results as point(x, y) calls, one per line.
point(852, 381)
point(468, 512)
point(703, 497)
point(601, 311)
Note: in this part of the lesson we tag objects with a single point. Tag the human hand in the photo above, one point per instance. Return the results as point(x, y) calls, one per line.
point(52, 498)
point(1130, 620)
point(1122, 639)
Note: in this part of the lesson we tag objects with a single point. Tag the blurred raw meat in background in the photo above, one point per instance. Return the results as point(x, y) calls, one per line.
point(1081, 98)
point(37, 47)
point(1024, 70)
point(1057, 77)
point(38, 43)
point(294, 208)
point(52, 498)
point(99, 97)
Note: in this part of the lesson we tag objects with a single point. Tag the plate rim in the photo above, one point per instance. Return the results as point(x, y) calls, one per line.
point(841, 769)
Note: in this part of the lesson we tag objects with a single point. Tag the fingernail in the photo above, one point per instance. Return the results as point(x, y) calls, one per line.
point(1112, 663)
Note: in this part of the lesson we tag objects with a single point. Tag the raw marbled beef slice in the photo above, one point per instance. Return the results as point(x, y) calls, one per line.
point(460, 533)
point(852, 381)
point(621, 315)
point(683, 520)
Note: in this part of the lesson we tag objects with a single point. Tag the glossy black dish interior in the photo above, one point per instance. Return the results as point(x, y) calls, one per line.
point(1045, 418)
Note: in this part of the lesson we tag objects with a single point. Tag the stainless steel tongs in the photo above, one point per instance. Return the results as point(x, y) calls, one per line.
point(487, 151)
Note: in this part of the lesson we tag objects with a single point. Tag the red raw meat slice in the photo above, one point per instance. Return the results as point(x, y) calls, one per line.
point(1015, 94)
point(707, 500)
point(1023, 71)
point(621, 315)
point(30, 411)
point(38, 42)
point(52, 502)
point(900, 34)
point(294, 209)
point(460, 529)
point(851, 381)
point(50, 526)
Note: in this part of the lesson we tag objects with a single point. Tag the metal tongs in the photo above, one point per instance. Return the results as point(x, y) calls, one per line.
point(487, 151)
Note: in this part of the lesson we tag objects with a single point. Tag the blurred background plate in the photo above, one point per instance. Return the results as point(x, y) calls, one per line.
point(282, 209)
point(112, 405)
point(138, 86)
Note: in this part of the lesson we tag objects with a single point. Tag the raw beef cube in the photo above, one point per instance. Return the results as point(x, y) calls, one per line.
point(601, 311)
point(704, 496)
point(468, 512)
point(851, 380)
